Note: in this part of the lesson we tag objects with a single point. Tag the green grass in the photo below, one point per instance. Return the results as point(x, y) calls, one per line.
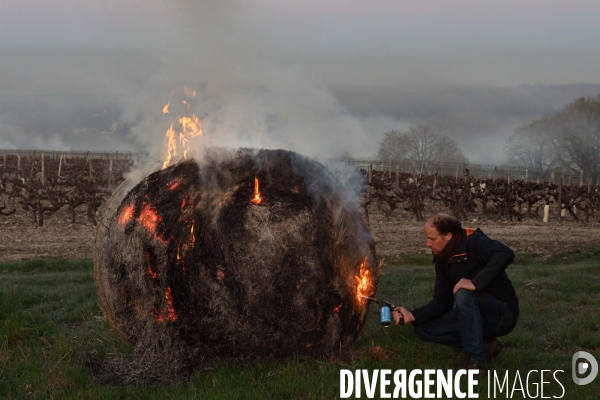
point(49, 319)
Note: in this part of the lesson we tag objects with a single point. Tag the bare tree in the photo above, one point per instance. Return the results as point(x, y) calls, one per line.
point(392, 146)
point(420, 144)
point(576, 136)
point(530, 146)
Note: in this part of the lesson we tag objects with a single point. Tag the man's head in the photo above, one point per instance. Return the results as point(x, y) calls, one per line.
point(439, 230)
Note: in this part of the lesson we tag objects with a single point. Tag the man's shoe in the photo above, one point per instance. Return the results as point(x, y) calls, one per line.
point(468, 364)
point(492, 347)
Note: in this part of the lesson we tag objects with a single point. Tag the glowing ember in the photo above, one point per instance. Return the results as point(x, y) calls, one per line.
point(363, 282)
point(166, 109)
point(170, 310)
point(220, 274)
point(126, 215)
point(149, 267)
point(150, 219)
point(173, 184)
point(337, 308)
point(256, 199)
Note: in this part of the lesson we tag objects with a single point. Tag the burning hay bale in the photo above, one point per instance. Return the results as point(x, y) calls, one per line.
point(250, 254)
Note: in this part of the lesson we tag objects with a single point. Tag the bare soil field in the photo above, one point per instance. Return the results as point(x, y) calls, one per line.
point(20, 239)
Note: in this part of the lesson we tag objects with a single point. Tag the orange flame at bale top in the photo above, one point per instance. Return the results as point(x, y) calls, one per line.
point(257, 199)
point(364, 286)
point(190, 127)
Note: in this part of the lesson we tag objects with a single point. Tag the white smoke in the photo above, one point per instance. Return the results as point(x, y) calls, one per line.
point(246, 97)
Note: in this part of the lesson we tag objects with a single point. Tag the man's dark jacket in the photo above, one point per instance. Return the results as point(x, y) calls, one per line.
point(478, 258)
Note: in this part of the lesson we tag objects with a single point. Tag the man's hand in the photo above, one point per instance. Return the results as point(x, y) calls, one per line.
point(463, 284)
point(401, 311)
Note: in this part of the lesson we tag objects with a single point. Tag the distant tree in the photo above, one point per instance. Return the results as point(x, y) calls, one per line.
point(576, 136)
point(392, 146)
point(530, 146)
point(568, 140)
point(420, 144)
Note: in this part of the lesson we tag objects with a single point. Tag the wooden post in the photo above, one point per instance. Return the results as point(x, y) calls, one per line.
point(110, 173)
point(546, 213)
point(90, 175)
point(4, 164)
point(552, 177)
point(526, 175)
point(590, 184)
point(581, 178)
point(560, 185)
point(397, 176)
point(60, 164)
point(390, 173)
point(508, 178)
point(18, 161)
point(435, 174)
point(370, 171)
point(495, 171)
point(456, 173)
point(43, 178)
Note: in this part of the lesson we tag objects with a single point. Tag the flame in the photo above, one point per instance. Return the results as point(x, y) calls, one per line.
point(220, 274)
point(257, 199)
point(190, 127)
point(171, 146)
point(126, 215)
point(337, 308)
point(189, 93)
point(363, 282)
point(192, 237)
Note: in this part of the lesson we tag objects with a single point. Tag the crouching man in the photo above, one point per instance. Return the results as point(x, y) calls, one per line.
point(474, 301)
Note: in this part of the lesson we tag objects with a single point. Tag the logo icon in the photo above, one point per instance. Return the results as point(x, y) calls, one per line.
point(583, 364)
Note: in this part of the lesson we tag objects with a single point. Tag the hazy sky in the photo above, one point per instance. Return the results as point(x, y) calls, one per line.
point(319, 77)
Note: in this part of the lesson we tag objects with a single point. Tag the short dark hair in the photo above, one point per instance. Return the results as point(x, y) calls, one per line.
point(445, 224)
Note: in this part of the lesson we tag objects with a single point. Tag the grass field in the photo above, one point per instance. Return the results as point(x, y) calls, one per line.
point(49, 319)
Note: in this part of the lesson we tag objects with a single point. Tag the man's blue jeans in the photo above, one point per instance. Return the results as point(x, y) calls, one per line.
point(476, 316)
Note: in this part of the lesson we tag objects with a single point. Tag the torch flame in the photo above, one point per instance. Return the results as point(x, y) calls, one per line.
point(257, 199)
point(364, 286)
